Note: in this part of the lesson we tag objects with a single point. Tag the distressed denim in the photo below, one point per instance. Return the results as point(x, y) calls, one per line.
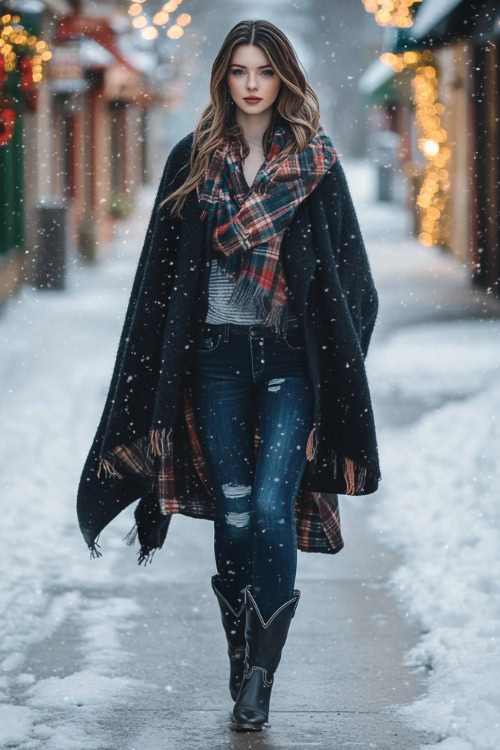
point(235, 376)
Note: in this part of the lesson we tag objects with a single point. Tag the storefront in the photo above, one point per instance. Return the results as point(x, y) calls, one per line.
point(21, 71)
point(485, 194)
point(448, 127)
point(73, 135)
point(103, 130)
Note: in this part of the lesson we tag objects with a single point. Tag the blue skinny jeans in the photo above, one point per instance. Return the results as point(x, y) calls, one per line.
point(235, 375)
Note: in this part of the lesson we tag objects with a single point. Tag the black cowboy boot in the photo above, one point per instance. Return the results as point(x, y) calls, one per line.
point(234, 626)
point(265, 642)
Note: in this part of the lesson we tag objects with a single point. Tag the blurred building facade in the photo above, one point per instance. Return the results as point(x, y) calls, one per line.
point(448, 127)
point(74, 135)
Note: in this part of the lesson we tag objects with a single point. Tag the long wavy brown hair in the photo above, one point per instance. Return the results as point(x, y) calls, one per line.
point(296, 106)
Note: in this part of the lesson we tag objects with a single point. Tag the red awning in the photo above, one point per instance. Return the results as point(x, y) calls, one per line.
point(75, 26)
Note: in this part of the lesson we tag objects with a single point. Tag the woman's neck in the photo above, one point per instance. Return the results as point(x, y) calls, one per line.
point(253, 126)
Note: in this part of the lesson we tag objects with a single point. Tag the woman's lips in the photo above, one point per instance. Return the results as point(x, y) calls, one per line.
point(252, 99)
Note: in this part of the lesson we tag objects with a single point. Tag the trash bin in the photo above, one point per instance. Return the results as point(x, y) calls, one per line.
point(386, 149)
point(51, 243)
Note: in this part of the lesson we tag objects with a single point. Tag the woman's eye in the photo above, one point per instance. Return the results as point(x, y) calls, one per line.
point(271, 72)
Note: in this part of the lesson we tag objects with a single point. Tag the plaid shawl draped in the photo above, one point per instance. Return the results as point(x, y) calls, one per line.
point(249, 225)
point(146, 445)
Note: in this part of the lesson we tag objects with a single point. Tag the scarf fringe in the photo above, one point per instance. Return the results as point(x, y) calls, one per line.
point(354, 472)
point(94, 551)
point(275, 316)
point(354, 475)
point(310, 451)
point(246, 294)
point(157, 440)
point(108, 468)
point(145, 555)
point(131, 536)
point(156, 447)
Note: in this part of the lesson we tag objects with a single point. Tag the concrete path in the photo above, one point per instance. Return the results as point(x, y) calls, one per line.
point(341, 673)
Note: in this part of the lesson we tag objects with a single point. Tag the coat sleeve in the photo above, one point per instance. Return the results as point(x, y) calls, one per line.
point(352, 262)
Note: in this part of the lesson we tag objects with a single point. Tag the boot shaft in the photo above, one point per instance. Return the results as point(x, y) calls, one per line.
point(233, 619)
point(265, 640)
point(264, 645)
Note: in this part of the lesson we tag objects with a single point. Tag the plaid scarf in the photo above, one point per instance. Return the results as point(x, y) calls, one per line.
point(249, 224)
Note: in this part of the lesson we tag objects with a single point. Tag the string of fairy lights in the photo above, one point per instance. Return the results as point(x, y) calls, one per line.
point(22, 60)
point(391, 12)
point(16, 44)
point(24, 56)
point(150, 30)
point(433, 193)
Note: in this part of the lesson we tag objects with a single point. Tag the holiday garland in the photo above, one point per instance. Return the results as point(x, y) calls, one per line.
point(433, 194)
point(391, 12)
point(23, 56)
point(160, 18)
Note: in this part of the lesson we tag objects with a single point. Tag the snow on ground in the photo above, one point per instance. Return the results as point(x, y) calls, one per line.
point(55, 373)
point(438, 506)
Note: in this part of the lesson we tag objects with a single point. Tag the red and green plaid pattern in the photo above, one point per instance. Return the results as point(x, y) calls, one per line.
point(249, 225)
point(317, 517)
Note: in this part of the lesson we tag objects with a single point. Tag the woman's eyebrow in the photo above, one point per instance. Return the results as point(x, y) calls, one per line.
point(244, 66)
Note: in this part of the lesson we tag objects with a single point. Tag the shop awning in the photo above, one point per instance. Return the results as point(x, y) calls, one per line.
point(429, 14)
point(374, 77)
point(77, 26)
point(94, 55)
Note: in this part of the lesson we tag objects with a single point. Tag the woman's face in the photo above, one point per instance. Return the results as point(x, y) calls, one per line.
point(250, 74)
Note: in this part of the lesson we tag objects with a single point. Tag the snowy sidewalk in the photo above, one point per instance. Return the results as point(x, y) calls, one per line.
point(105, 655)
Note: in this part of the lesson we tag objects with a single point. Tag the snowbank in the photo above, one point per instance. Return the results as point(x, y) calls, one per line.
point(438, 506)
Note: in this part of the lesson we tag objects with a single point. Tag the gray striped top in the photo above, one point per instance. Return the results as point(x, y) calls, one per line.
point(220, 310)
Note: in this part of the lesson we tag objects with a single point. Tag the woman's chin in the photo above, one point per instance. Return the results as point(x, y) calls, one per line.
point(253, 109)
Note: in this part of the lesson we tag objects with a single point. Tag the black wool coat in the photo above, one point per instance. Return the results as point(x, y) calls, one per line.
point(146, 445)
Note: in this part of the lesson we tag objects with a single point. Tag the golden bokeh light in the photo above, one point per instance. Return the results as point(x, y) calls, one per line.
point(135, 9)
point(175, 32)
point(15, 40)
point(140, 22)
point(149, 32)
point(161, 18)
point(391, 12)
point(184, 19)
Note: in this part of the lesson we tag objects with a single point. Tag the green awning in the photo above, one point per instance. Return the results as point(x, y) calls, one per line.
point(405, 40)
point(375, 77)
point(429, 14)
point(30, 19)
point(377, 81)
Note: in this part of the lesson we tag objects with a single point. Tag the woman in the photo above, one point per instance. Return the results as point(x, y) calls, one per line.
point(239, 392)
